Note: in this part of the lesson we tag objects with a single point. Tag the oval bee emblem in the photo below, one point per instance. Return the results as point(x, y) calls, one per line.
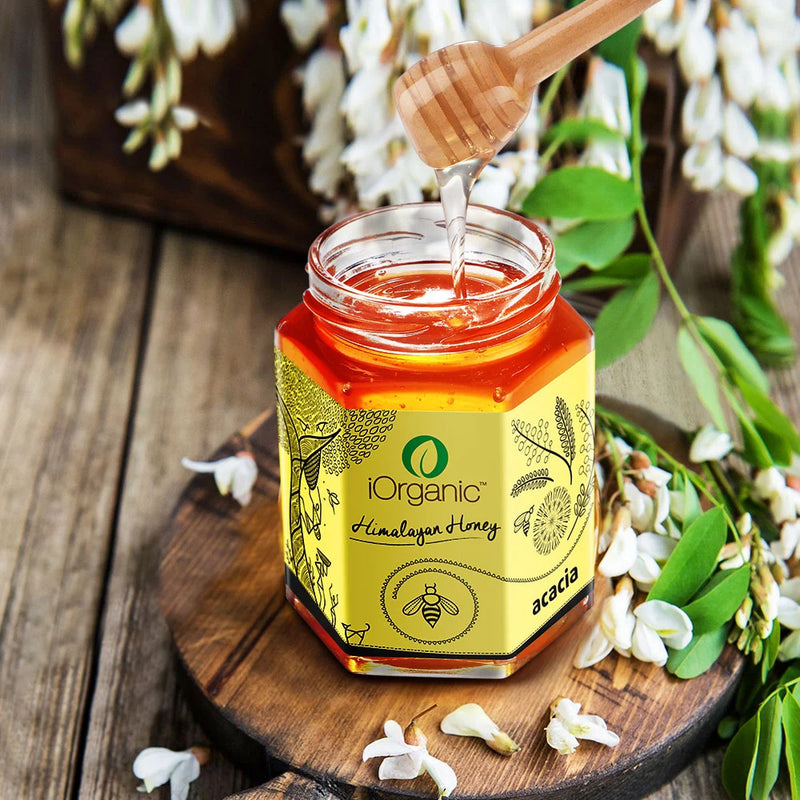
point(429, 604)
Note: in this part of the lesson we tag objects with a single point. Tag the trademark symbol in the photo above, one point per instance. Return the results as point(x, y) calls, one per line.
point(482, 483)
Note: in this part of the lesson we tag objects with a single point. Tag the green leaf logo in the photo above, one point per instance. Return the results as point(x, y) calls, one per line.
point(425, 456)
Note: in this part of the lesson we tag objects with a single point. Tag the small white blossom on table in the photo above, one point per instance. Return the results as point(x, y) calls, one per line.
point(235, 475)
point(567, 725)
point(155, 766)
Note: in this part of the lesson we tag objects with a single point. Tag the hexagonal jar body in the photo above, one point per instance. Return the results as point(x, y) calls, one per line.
point(436, 453)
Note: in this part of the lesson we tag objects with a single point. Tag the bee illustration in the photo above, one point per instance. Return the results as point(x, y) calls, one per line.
point(431, 605)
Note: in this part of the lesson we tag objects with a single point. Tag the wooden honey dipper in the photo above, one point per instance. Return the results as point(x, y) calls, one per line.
point(465, 101)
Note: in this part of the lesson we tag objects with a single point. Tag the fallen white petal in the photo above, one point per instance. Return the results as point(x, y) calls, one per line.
point(235, 475)
point(387, 747)
point(400, 768)
point(559, 738)
point(186, 772)
point(443, 774)
point(155, 765)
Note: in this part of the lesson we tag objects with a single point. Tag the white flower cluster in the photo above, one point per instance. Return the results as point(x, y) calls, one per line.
point(157, 48)
point(356, 133)
point(635, 544)
point(734, 59)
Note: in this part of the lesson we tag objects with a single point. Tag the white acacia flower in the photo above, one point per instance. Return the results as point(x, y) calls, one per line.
point(202, 24)
point(611, 156)
point(366, 102)
point(740, 54)
point(652, 551)
point(401, 183)
point(774, 93)
point(658, 624)
point(703, 166)
point(734, 555)
point(787, 545)
point(471, 720)
point(235, 475)
point(655, 16)
point(594, 648)
point(366, 34)
point(567, 725)
point(304, 19)
point(738, 177)
point(493, 186)
point(606, 96)
point(134, 30)
point(620, 555)
point(132, 113)
point(185, 118)
point(404, 761)
point(483, 21)
point(739, 135)
point(701, 114)
point(157, 765)
point(648, 513)
point(697, 52)
point(784, 502)
point(616, 618)
point(709, 444)
point(439, 22)
point(789, 604)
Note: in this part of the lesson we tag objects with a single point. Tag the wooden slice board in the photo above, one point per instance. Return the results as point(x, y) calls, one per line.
point(261, 672)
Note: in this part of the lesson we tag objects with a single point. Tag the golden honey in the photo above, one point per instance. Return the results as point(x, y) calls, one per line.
point(436, 452)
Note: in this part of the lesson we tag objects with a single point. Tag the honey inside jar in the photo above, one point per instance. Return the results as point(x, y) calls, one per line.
point(436, 452)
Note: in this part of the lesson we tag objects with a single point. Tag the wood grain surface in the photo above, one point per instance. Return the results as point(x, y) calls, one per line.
point(256, 661)
point(82, 643)
point(72, 286)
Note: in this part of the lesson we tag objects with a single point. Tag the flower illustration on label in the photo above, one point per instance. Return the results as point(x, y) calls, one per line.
point(425, 456)
point(550, 522)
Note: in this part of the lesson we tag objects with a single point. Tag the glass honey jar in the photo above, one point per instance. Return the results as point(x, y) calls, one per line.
point(436, 454)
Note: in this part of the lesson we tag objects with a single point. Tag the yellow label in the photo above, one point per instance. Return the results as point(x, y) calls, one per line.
point(431, 533)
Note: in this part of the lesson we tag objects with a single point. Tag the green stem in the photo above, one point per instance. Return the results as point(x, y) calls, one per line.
point(551, 92)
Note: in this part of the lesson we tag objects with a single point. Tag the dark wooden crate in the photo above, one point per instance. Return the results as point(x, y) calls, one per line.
point(242, 175)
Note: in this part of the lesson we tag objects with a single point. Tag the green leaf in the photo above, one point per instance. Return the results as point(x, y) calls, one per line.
point(717, 601)
point(779, 449)
point(731, 350)
point(577, 192)
point(727, 727)
point(625, 320)
point(619, 48)
point(578, 130)
point(768, 414)
point(771, 646)
point(791, 731)
point(755, 451)
point(629, 269)
point(770, 744)
point(699, 655)
point(738, 766)
point(691, 508)
point(595, 244)
point(705, 383)
point(693, 559)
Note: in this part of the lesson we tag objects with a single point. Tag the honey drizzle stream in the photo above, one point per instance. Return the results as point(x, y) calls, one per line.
point(455, 184)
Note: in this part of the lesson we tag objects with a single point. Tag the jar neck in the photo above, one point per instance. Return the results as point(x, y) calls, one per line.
point(380, 282)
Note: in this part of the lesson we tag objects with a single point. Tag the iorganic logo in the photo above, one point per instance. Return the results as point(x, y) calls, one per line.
point(425, 456)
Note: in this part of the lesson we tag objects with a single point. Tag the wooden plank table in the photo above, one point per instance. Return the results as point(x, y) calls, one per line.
point(124, 346)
